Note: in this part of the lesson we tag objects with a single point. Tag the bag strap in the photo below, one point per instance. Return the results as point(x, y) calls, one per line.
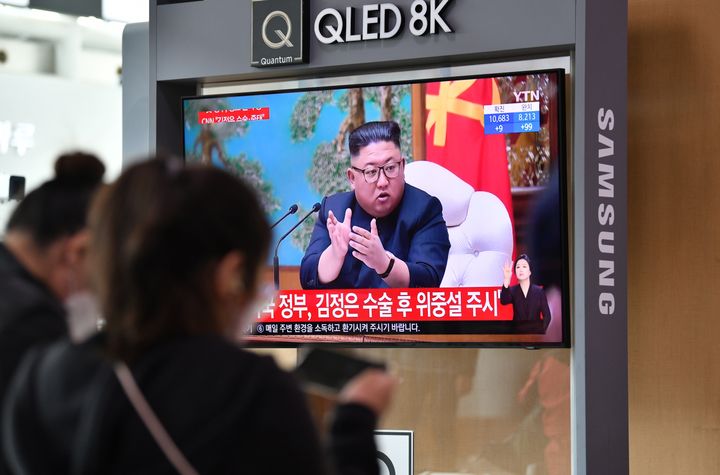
point(150, 420)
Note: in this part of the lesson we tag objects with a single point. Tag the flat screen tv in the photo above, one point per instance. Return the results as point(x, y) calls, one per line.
point(478, 181)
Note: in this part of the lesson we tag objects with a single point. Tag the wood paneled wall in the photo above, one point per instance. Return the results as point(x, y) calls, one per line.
point(674, 236)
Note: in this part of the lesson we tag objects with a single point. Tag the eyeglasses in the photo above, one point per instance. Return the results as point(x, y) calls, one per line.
point(372, 174)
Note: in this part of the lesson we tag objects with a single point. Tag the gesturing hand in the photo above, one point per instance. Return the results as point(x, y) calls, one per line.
point(507, 273)
point(339, 232)
point(368, 248)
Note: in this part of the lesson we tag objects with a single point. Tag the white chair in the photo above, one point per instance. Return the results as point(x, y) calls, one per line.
point(481, 237)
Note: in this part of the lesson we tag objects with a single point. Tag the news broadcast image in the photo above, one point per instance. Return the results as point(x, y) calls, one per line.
point(489, 148)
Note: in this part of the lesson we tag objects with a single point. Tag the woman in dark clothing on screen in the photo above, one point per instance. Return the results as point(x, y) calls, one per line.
point(176, 254)
point(528, 300)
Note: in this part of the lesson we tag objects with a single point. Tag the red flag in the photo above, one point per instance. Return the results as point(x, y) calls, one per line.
point(455, 136)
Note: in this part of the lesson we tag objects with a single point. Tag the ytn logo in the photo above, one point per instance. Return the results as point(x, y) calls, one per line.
point(527, 96)
point(278, 33)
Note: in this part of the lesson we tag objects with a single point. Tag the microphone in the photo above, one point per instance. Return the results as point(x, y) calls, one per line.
point(292, 210)
point(276, 261)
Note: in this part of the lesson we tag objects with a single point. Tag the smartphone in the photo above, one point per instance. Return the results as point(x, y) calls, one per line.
point(331, 370)
point(16, 188)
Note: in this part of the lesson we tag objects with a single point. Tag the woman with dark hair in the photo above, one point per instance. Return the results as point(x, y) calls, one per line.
point(176, 254)
point(528, 300)
point(42, 261)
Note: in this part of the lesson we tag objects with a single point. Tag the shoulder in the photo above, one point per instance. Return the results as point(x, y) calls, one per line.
point(339, 199)
point(218, 377)
point(211, 358)
point(337, 203)
point(419, 202)
point(422, 202)
point(212, 371)
point(58, 375)
point(26, 306)
point(18, 293)
point(214, 362)
point(197, 353)
point(419, 196)
point(21, 294)
point(537, 289)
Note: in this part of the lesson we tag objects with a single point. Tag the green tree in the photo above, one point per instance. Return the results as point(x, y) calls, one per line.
point(211, 137)
point(210, 143)
point(388, 99)
point(252, 172)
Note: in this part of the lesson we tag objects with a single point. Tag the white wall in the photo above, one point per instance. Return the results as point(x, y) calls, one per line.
point(68, 115)
point(26, 56)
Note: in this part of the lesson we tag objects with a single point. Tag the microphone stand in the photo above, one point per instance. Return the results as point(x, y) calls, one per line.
point(276, 260)
point(292, 210)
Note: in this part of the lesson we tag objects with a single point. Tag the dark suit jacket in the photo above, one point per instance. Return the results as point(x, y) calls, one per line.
point(414, 232)
point(527, 308)
point(30, 315)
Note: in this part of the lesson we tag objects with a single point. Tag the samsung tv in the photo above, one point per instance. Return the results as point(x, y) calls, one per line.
point(490, 148)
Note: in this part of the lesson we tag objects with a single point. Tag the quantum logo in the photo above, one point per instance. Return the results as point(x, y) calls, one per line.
point(278, 32)
point(284, 37)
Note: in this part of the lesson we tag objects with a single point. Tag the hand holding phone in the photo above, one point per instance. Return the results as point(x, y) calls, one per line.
point(331, 370)
point(372, 388)
point(357, 380)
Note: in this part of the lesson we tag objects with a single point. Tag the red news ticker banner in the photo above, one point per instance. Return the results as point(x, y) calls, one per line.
point(233, 115)
point(387, 305)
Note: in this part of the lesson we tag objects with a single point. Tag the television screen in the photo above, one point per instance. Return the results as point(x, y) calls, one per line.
point(440, 216)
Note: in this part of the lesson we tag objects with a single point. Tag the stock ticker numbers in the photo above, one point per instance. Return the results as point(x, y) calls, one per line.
point(512, 118)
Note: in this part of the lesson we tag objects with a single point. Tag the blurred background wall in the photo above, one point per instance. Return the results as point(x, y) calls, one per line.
point(674, 236)
point(60, 89)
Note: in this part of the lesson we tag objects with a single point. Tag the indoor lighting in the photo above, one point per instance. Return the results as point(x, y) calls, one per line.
point(127, 11)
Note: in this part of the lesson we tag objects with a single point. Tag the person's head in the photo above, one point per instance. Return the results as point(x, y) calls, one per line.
point(374, 145)
point(176, 250)
point(47, 230)
point(522, 268)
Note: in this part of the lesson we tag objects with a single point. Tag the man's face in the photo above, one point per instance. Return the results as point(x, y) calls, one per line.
point(380, 198)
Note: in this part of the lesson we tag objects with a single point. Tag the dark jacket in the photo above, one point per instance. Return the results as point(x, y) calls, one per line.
point(414, 232)
point(30, 315)
point(228, 410)
point(533, 307)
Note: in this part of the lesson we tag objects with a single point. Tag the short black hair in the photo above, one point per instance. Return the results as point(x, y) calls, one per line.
point(59, 207)
point(371, 132)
